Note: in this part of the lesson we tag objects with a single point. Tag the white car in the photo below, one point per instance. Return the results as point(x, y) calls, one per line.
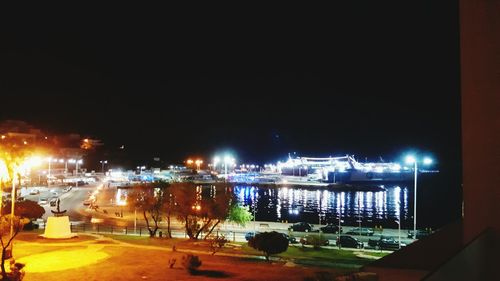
point(88, 202)
point(34, 192)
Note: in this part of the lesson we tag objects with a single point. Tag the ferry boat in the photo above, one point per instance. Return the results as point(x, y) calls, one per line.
point(344, 169)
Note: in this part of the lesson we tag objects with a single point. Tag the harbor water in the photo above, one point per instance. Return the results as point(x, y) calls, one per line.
point(366, 208)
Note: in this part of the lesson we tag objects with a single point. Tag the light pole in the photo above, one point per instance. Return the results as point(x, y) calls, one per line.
point(399, 224)
point(227, 160)
point(216, 160)
point(340, 219)
point(135, 220)
point(102, 164)
point(412, 160)
point(198, 164)
point(12, 204)
point(48, 176)
point(359, 211)
point(65, 165)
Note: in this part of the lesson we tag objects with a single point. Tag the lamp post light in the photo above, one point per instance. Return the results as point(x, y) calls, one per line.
point(399, 224)
point(410, 159)
point(216, 161)
point(198, 163)
point(50, 160)
point(340, 219)
point(28, 164)
point(102, 164)
point(227, 160)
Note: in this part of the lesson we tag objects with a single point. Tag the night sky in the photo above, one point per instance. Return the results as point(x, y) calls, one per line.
point(371, 81)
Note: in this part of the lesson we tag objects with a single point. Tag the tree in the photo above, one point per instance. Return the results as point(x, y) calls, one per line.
point(150, 200)
point(6, 239)
point(240, 215)
point(270, 243)
point(28, 210)
point(25, 209)
point(199, 212)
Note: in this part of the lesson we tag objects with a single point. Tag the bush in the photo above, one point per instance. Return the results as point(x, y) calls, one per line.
point(270, 243)
point(191, 263)
point(217, 243)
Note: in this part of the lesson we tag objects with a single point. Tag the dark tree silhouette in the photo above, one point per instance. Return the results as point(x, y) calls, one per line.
point(270, 243)
point(150, 199)
point(201, 213)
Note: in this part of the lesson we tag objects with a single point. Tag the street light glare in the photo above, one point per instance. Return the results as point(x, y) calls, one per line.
point(410, 159)
point(427, 160)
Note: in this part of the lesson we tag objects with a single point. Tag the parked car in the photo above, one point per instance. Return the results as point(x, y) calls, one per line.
point(385, 243)
point(38, 223)
point(420, 233)
point(42, 201)
point(360, 231)
point(87, 202)
point(291, 239)
point(34, 191)
point(349, 242)
point(251, 234)
point(331, 228)
point(301, 226)
point(314, 239)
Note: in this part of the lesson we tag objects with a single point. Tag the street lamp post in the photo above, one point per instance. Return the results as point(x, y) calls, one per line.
point(102, 164)
point(216, 160)
point(399, 224)
point(359, 211)
point(198, 164)
point(135, 220)
point(340, 219)
point(12, 203)
point(48, 176)
point(412, 160)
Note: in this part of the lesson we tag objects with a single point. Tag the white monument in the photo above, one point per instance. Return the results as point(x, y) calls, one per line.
point(58, 226)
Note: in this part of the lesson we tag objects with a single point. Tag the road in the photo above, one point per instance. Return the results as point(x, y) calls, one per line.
point(71, 201)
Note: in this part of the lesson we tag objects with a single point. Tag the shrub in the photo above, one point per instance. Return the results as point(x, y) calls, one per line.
point(217, 243)
point(191, 263)
point(270, 243)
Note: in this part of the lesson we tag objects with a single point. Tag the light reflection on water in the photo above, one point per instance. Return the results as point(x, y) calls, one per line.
point(306, 204)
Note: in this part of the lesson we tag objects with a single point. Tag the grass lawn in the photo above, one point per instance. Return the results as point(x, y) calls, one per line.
point(305, 256)
point(143, 258)
point(120, 262)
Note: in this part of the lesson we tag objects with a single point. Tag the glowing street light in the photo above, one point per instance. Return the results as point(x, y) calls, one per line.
point(216, 161)
point(198, 164)
point(26, 165)
point(410, 159)
point(228, 160)
point(102, 164)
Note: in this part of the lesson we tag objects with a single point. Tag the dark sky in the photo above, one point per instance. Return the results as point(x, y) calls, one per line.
point(373, 80)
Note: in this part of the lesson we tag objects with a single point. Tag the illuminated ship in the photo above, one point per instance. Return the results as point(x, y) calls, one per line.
point(344, 169)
